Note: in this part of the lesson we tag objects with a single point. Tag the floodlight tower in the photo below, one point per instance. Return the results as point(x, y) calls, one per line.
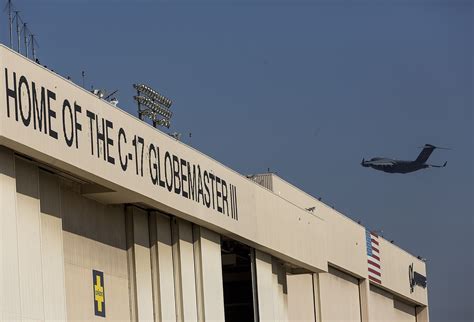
point(153, 105)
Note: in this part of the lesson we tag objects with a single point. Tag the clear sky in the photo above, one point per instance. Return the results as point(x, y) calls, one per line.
point(307, 89)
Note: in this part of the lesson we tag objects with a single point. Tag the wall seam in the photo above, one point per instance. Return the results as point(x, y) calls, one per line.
point(177, 269)
point(155, 283)
point(38, 213)
point(198, 272)
point(62, 245)
point(16, 227)
point(130, 241)
point(314, 297)
point(253, 269)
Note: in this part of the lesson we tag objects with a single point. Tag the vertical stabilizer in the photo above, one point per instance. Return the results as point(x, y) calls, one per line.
point(425, 153)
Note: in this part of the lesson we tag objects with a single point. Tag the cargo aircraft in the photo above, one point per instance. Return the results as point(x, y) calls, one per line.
point(399, 166)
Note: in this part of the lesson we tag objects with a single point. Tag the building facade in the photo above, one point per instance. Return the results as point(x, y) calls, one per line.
point(103, 217)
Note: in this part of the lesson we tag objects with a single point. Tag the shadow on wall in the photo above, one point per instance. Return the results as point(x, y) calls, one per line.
point(24, 183)
point(398, 303)
point(344, 276)
point(278, 269)
point(6, 168)
point(90, 219)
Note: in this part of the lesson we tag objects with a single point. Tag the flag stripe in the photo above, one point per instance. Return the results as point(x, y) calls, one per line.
point(375, 279)
point(373, 263)
point(375, 272)
point(373, 256)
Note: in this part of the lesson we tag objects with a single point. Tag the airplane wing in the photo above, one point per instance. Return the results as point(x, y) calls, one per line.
point(385, 163)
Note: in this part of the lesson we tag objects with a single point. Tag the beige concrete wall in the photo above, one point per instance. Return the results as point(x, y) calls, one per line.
point(300, 298)
point(385, 307)
point(208, 265)
point(139, 264)
point(345, 243)
point(395, 263)
point(32, 269)
point(339, 296)
point(344, 237)
point(263, 263)
point(276, 218)
point(317, 296)
point(422, 314)
point(184, 270)
point(10, 303)
point(280, 291)
point(29, 240)
point(364, 291)
point(94, 238)
point(52, 248)
point(162, 268)
point(272, 288)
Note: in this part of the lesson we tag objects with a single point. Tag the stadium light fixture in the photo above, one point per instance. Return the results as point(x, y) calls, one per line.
point(153, 105)
point(152, 94)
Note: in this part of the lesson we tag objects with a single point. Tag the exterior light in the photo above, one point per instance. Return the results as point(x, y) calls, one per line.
point(152, 94)
point(153, 105)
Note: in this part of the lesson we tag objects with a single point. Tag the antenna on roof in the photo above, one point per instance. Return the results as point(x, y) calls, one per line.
point(33, 44)
point(110, 95)
point(9, 7)
point(111, 98)
point(25, 38)
point(17, 18)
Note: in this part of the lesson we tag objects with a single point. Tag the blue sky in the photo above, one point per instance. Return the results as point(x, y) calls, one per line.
point(307, 89)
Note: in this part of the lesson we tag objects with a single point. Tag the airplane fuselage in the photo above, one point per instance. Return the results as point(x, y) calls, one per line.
point(395, 166)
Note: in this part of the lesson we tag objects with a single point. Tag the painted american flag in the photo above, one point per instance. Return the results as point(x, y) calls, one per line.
point(373, 257)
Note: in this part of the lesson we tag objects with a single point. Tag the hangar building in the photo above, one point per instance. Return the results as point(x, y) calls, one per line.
point(105, 218)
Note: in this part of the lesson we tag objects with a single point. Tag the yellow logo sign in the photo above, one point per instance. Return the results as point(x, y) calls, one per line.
point(99, 294)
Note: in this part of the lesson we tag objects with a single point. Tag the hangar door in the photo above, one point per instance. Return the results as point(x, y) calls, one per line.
point(339, 296)
point(385, 307)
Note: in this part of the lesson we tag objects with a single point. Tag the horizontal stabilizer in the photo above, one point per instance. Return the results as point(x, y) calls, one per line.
point(439, 166)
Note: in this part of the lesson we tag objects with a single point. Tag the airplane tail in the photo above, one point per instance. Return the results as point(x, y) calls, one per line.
point(425, 153)
point(439, 166)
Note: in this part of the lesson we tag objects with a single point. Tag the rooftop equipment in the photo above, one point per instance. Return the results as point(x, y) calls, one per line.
point(153, 105)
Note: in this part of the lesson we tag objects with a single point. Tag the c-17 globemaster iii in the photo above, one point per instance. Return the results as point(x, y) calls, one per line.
point(400, 166)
